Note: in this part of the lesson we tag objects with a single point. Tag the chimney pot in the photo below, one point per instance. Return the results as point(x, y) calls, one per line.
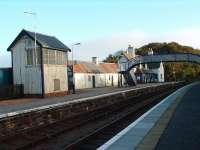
point(95, 60)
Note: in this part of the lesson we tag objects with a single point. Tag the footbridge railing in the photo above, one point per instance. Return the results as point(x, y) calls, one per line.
point(184, 57)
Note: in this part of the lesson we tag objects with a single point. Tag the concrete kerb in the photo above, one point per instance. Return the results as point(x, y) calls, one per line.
point(112, 141)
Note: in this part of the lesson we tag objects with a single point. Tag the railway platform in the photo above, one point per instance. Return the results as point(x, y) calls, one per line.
point(24, 104)
point(172, 124)
point(77, 119)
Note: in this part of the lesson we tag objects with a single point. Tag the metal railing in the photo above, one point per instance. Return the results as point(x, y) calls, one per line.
point(183, 57)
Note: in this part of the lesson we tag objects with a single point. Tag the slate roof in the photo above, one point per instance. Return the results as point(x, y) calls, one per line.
point(45, 41)
point(89, 67)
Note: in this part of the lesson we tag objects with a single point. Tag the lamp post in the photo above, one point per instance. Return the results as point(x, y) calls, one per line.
point(75, 44)
point(174, 73)
point(34, 15)
point(119, 71)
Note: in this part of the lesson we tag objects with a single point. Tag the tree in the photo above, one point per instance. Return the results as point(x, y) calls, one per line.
point(111, 59)
point(183, 71)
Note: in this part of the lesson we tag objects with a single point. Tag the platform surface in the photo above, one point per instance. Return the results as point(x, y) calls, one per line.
point(8, 106)
point(183, 130)
point(180, 132)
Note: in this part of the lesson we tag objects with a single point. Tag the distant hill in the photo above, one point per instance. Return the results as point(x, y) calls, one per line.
point(166, 48)
point(178, 71)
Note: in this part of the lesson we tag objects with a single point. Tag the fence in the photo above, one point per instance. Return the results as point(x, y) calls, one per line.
point(6, 76)
point(11, 91)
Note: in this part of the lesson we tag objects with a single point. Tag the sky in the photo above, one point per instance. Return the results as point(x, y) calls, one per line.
point(101, 26)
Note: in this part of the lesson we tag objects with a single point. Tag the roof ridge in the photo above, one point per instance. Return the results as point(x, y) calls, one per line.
point(107, 63)
point(39, 33)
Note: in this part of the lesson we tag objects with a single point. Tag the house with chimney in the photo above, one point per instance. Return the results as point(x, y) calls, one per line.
point(144, 73)
point(96, 74)
point(39, 64)
point(150, 73)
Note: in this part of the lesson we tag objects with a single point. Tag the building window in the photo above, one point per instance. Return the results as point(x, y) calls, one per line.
point(52, 57)
point(59, 59)
point(38, 53)
point(65, 58)
point(28, 43)
point(46, 56)
point(56, 84)
point(89, 78)
point(29, 56)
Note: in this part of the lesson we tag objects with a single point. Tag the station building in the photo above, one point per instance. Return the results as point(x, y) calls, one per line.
point(148, 73)
point(95, 74)
point(41, 71)
point(144, 73)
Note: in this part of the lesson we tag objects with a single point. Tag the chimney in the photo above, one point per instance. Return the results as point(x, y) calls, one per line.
point(150, 52)
point(131, 50)
point(95, 60)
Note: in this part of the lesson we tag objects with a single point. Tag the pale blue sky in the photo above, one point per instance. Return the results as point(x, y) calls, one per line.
point(102, 26)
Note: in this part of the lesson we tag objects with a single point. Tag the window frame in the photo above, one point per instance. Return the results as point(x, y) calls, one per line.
point(60, 57)
point(29, 51)
point(46, 56)
point(52, 57)
point(38, 54)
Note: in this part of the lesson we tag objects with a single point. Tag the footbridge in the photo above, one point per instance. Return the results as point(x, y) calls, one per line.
point(125, 67)
point(183, 57)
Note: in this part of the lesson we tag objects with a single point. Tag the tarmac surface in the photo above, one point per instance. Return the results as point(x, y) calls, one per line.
point(183, 130)
point(7, 106)
point(172, 124)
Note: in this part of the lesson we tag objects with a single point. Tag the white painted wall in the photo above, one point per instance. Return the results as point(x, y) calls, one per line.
point(29, 76)
point(83, 81)
point(109, 77)
point(123, 63)
point(101, 80)
point(161, 73)
point(52, 72)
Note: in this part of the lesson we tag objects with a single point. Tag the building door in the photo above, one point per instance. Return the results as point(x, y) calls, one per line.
point(70, 77)
point(112, 81)
point(93, 81)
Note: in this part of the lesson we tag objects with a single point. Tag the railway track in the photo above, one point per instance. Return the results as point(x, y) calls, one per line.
point(87, 131)
point(100, 136)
